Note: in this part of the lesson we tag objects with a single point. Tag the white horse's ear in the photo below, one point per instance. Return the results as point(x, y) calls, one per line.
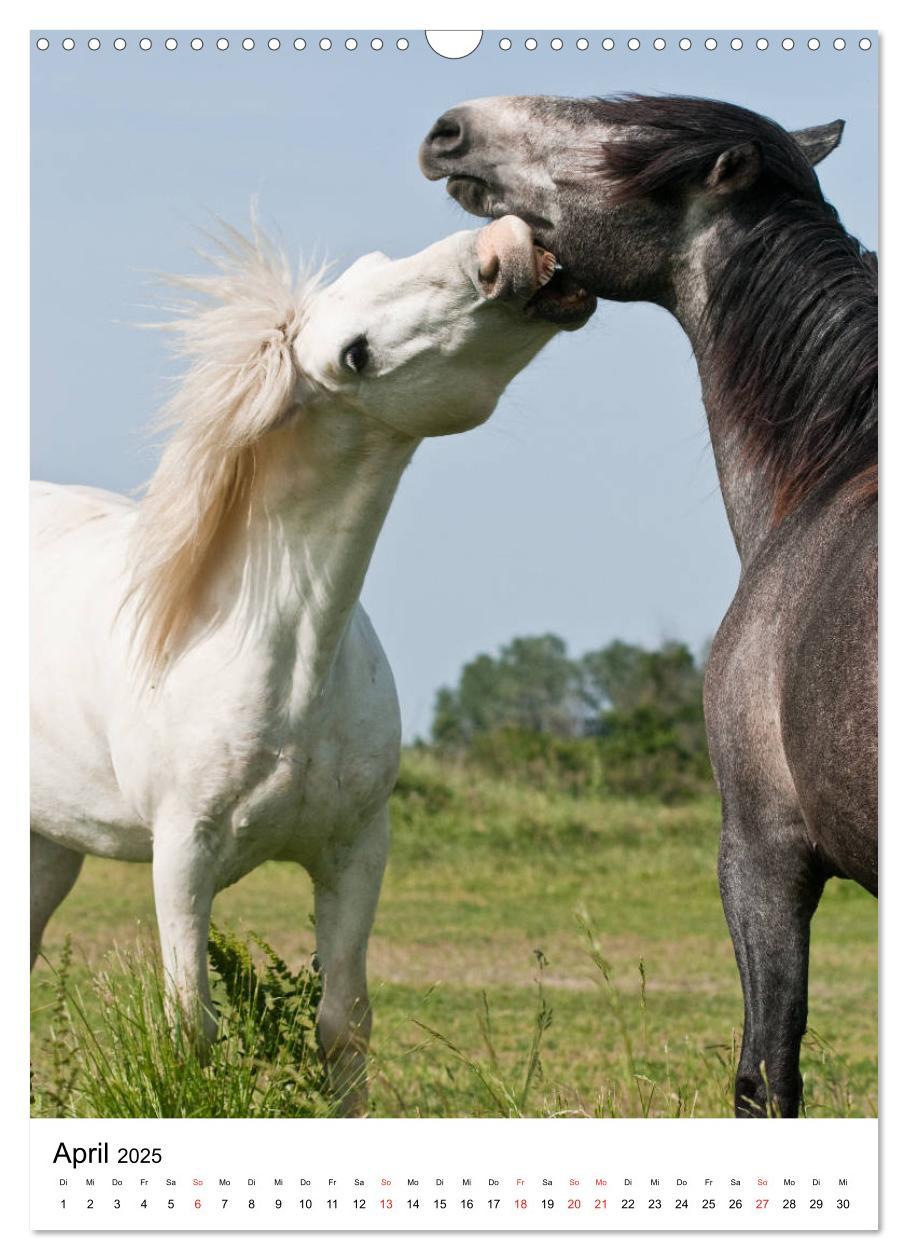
point(817, 143)
point(367, 262)
point(303, 390)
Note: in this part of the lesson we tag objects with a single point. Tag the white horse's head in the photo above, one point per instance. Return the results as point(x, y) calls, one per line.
point(426, 344)
point(420, 346)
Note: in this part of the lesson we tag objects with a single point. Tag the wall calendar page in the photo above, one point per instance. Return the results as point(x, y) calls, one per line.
point(453, 629)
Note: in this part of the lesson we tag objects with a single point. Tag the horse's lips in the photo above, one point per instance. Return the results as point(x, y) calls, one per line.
point(481, 197)
point(512, 267)
point(472, 193)
point(515, 267)
point(475, 195)
point(563, 300)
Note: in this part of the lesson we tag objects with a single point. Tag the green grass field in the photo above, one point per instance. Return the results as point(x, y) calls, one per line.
point(488, 997)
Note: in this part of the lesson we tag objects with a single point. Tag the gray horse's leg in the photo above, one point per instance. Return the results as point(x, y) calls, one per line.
point(347, 884)
point(54, 870)
point(770, 887)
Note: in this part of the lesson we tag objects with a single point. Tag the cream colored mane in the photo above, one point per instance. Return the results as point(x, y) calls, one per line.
point(238, 333)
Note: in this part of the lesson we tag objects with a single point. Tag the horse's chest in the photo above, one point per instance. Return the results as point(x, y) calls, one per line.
point(311, 787)
point(311, 797)
point(274, 762)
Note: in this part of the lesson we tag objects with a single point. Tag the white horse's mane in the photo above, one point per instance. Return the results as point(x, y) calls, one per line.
point(238, 333)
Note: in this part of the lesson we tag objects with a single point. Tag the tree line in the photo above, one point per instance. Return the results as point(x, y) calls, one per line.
point(623, 717)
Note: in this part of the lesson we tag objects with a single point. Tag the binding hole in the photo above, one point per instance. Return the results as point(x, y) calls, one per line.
point(455, 44)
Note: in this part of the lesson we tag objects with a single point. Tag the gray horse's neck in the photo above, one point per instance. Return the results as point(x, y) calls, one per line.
point(745, 492)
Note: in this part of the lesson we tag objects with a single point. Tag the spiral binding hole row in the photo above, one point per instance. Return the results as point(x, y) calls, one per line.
point(351, 43)
point(685, 43)
point(222, 44)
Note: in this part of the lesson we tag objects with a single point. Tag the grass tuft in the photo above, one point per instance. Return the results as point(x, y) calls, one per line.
point(122, 1049)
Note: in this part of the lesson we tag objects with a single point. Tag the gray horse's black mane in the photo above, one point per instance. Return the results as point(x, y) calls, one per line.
point(790, 326)
point(673, 140)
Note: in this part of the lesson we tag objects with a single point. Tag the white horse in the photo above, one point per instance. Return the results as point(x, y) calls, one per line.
point(207, 692)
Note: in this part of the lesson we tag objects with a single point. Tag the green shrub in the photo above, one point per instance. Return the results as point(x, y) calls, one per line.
point(135, 1056)
point(640, 754)
point(621, 720)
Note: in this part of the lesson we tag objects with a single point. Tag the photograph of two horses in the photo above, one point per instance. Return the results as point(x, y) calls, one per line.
point(578, 830)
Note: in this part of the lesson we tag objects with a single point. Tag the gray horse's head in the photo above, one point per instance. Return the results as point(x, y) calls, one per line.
point(617, 188)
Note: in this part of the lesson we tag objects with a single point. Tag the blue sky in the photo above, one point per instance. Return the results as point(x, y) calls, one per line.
point(588, 505)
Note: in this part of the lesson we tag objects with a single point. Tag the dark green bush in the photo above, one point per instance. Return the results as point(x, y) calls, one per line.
point(643, 753)
point(623, 719)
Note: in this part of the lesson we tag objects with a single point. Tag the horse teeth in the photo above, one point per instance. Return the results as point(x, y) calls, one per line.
point(545, 266)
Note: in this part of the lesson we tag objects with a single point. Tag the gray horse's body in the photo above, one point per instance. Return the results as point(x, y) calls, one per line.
point(715, 213)
point(790, 702)
point(791, 697)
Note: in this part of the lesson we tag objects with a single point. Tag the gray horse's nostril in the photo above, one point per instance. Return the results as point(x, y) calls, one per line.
point(447, 136)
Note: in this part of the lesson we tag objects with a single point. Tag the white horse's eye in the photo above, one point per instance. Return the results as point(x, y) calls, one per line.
point(355, 356)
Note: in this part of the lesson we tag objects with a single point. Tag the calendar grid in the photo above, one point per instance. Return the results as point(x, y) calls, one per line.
point(453, 1174)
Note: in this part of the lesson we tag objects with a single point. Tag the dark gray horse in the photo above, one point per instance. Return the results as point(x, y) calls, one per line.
point(716, 214)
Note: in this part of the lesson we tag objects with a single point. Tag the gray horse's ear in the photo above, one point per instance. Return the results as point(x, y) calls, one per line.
point(817, 143)
point(734, 170)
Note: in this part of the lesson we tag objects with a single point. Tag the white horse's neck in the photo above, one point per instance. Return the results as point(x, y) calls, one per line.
point(293, 573)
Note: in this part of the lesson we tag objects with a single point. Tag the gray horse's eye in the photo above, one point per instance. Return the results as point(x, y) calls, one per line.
point(355, 356)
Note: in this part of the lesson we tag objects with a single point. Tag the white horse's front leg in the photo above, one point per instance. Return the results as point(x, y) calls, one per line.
point(184, 887)
point(347, 884)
